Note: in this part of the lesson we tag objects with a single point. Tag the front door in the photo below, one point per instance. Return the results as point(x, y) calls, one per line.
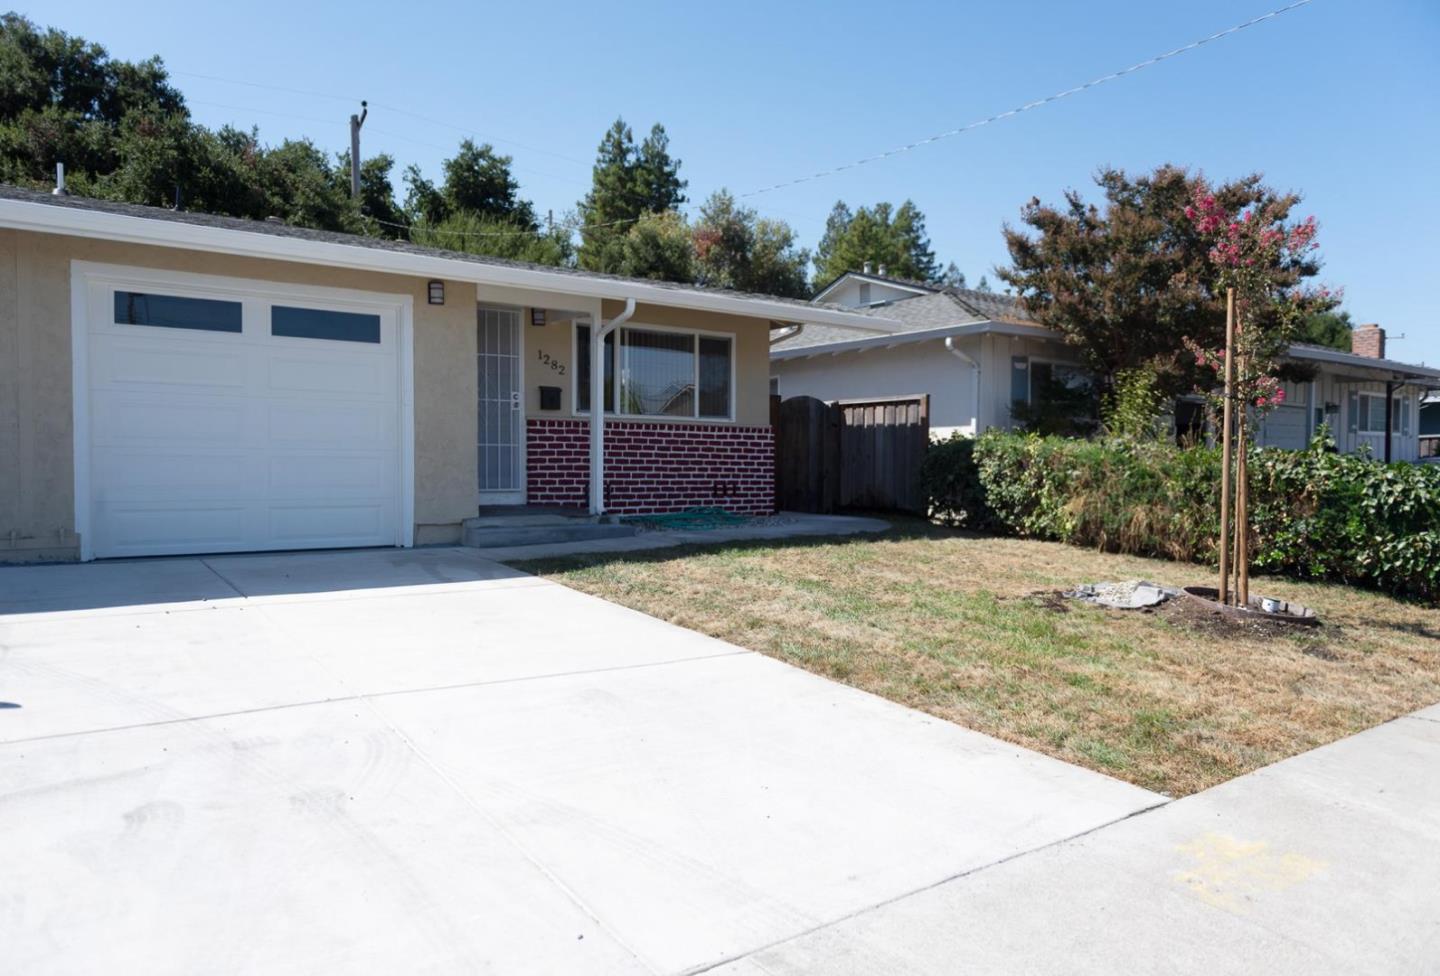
point(501, 448)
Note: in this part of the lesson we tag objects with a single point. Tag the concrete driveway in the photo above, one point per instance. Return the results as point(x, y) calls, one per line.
point(424, 762)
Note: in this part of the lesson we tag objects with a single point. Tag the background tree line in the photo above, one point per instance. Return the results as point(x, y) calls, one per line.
point(124, 132)
point(1125, 283)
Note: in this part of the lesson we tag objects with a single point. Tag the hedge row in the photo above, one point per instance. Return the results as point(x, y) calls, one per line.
point(1315, 514)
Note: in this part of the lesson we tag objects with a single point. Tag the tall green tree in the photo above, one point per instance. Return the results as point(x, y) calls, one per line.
point(475, 233)
point(1127, 284)
point(477, 180)
point(124, 132)
point(1329, 328)
point(952, 277)
point(737, 248)
point(882, 234)
point(658, 246)
point(627, 182)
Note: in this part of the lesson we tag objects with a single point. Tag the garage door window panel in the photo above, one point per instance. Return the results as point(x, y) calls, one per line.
point(320, 323)
point(177, 312)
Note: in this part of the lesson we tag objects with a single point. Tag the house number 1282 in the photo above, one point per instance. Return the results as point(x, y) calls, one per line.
point(550, 361)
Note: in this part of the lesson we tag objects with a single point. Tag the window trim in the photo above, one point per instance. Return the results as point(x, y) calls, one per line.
point(1362, 413)
point(696, 334)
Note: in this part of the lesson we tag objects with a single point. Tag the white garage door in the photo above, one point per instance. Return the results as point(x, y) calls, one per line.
point(227, 415)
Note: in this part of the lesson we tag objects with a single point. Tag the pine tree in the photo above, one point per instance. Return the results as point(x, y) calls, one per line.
point(627, 182)
point(881, 235)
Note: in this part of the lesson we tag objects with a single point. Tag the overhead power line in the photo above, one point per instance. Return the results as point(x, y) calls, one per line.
point(1093, 83)
point(898, 150)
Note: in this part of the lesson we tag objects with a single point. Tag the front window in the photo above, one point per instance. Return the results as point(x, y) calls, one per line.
point(661, 373)
point(1372, 414)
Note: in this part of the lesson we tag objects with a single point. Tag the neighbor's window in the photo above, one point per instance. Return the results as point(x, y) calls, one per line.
point(321, 323)
point(174, 312)
point(1372, 414)
point(661, 373)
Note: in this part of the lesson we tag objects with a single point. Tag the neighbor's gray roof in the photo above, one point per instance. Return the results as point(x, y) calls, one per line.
point(1339, 357)
point(921, 313)
point(278, 228)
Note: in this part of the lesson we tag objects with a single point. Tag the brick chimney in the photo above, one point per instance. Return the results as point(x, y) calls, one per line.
point(1368, 340)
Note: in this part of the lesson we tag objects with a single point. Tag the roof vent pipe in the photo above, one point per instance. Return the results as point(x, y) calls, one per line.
point(866, 266)
point(60, 190)
point(882, 270)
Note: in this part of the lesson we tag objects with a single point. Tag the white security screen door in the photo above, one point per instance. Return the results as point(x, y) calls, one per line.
point(501, 449)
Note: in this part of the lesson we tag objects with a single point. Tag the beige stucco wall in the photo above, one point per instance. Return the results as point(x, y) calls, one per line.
point(36, 454)
point(550, 357)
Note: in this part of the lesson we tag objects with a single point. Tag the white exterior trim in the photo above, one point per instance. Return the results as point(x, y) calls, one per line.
point(80, 402)
point(85, 273)
point(79, 222)
point(988, 326)
point(873, 279)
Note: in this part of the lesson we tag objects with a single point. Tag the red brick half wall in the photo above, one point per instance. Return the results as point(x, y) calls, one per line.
point(654, 467)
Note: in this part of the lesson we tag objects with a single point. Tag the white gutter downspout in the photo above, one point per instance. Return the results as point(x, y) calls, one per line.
point(955, 351)
point(786, 332)
point(597, 404)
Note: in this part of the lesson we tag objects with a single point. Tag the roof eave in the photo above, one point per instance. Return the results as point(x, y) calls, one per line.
point(919, 335)
point(77, 222)
point(1340, 358)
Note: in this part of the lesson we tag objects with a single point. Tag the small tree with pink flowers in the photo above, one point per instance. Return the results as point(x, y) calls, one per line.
point(1254, 253)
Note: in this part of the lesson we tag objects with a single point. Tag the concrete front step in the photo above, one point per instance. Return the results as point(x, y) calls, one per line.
point(492, 531)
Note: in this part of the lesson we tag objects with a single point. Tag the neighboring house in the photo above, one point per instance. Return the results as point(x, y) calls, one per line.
point(979, 354)
point(182, 383)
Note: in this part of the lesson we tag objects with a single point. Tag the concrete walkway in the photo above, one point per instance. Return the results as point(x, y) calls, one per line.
point(1327, 863)
point(789, 525)
point(423, 761)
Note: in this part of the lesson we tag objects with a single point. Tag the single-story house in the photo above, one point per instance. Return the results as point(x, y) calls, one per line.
point(183, 383)
point(979, 354)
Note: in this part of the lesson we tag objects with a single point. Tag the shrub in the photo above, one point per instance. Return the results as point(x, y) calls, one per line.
point(1315, 513)
point(951, 484)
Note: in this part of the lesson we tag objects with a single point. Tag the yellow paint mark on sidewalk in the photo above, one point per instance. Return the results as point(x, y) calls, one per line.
point(1229, 873)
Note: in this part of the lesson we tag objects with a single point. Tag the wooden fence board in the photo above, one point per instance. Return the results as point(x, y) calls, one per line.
point(851, 453)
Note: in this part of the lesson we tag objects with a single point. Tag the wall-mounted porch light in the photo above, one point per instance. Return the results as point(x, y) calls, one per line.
point(537, 316)
point(437, 293)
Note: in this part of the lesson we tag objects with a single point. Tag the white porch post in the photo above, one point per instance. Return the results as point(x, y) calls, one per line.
point(598, 332)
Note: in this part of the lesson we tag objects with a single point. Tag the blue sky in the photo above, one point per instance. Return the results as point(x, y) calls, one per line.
point(1339, 100)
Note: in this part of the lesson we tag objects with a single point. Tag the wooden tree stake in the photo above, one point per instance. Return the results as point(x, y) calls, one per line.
point(1226, 446)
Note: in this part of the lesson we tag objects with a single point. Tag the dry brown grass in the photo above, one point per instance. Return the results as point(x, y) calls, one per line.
point(961, 627)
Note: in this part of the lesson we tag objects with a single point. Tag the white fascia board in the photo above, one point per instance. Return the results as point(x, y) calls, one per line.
point(79, 222)
point(873, 280)
point(1342, 358)
point(989, 326)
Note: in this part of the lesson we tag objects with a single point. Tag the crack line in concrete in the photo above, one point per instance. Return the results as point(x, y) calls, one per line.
point(710, 966)
point(374, 694)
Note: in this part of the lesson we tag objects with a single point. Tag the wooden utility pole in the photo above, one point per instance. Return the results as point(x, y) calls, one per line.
point(1226, 446)
point(356, 121)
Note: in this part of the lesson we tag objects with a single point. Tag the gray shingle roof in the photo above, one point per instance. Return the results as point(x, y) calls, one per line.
point(279, 229)
point(921, 313)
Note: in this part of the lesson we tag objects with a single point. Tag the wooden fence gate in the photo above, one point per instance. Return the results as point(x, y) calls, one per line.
point(851, 453)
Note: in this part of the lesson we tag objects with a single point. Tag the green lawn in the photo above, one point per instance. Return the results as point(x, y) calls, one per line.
point(968, 628)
